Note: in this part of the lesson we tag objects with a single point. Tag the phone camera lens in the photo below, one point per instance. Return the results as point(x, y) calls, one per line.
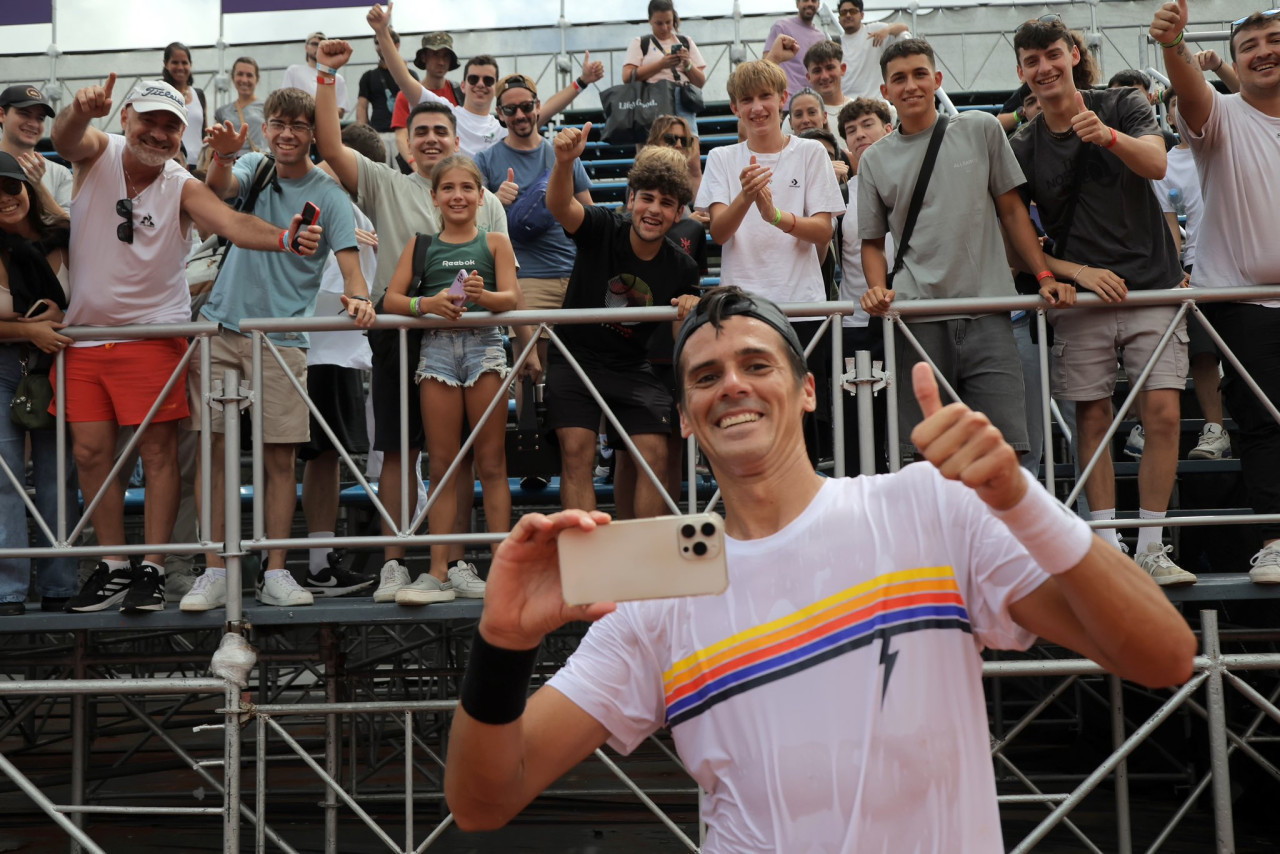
point(699, 548)
point(708, 530)
point(687, 531)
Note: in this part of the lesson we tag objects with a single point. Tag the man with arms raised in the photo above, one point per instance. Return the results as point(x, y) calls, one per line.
point(962, 551)
point(399, 206)
point(130, 229)
point(1234, 140)
point(620, 263)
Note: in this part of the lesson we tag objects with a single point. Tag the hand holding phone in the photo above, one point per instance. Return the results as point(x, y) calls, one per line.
point(458, 290)
point(310, 213)
point(38, 308)
point(644, 559)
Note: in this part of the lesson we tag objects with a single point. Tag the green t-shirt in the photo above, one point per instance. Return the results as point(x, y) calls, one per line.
point(446, 260)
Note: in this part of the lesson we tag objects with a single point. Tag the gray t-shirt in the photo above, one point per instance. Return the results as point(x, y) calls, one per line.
point(956, 249)
point(253, 117)
point(400, 206)
point(1117, 223)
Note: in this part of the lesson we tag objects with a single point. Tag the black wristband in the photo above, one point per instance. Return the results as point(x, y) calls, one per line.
point(496, 683)
point(582, 84)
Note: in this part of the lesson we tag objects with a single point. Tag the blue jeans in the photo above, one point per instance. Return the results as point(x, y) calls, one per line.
point(55, 577)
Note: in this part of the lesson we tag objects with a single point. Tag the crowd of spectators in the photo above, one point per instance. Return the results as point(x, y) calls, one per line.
point(444, 197)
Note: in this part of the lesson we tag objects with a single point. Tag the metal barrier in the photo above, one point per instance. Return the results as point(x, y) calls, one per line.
point(1213, 668)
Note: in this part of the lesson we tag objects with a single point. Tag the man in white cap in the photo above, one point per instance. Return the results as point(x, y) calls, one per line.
point(129, 239)
point(25, 109)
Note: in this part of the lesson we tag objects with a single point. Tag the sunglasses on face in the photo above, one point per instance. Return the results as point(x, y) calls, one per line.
point(124, 231)
point(525, 107)
point(474, 79)
point(674, 139)
point(1235, 25)
point(11, 187)
point(297, 127)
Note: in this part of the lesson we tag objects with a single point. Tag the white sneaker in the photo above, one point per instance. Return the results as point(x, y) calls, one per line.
point(393, 577)
point(281, 588)
point(466, 584)
point(1136, 442)
point(1155, 560)
point(1266, 565)
point(425, 590)
point(208, 591)
point(1214, 444)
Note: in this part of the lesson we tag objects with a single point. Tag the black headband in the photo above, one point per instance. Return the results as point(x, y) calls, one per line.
point(733, 302)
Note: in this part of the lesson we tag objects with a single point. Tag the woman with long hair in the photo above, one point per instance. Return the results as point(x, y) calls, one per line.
point(33, 281)
point(177, 73)
point(666, 55)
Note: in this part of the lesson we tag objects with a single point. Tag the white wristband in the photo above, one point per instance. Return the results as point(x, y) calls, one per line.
point(1056, 538)
point(324, 69)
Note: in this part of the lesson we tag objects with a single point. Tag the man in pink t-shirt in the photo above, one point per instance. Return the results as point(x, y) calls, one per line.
point(806, 33)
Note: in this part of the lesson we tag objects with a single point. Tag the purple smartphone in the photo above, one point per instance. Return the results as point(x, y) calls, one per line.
point(456, 290)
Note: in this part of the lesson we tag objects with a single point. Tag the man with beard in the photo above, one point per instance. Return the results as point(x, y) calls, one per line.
point(130, 229)
point(806, 35)
point(304, 75)
point(620, 264)
point(516, 169)
point(254, 284)
point(399, 206)
point(25, 108)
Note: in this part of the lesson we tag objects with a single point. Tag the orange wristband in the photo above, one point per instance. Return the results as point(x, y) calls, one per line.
point(1042, 275)
point(1114, 138)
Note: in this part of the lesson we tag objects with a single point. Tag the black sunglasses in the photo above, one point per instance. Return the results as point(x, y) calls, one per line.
point(674, 139)
point(1050, 18)
point(473, 79)
point(11, 186)
point(526, 107)
point(1235, 25)
point(124, 231)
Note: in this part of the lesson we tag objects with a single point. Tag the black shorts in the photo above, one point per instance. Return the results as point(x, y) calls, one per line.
point(637, 397)
point(1198, 341)
point(384, 389)
point(666, 374)
point(339, 395)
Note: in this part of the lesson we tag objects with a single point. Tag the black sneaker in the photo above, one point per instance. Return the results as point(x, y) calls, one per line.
point(147, 591)
point(333, 580)
point(105, 588)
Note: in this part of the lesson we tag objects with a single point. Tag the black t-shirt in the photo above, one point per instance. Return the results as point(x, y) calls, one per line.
point(690, 236)
point(1118, 224)
point(380, 89)
point(607, 274)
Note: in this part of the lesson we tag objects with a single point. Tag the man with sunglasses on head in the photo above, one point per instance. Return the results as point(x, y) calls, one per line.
point(516, 170)
point(477, 128)
point(1234, 139)
point(130, 234)
point(257, 284)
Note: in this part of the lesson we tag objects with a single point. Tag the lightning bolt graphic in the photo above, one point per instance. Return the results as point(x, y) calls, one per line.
point(888, 659)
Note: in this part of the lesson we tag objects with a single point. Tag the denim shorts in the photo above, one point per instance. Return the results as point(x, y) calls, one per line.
point(458, 357)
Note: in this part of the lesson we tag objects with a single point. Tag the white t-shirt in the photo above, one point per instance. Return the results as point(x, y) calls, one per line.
point(115, 283)
point(58, 181)
point(1181, 173)
point(759, 257)
point(346, 349)
point(303, 76)
point(475, 133)
point(853, 282)
point(1237, 153)
point(862, 77)
point(831, 700)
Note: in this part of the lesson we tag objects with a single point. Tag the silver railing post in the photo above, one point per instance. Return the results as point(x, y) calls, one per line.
point(837, 393)
point(1046, 398)
point(866, 414)
point(1224, 831)
point(232, 545)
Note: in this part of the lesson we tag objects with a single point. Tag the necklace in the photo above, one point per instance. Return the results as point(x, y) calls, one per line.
point(1066, 134)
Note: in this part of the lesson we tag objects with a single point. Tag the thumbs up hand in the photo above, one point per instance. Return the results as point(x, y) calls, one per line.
point(1089, 127)
point(508, 189)
point(964, 445)
point(1169, 22)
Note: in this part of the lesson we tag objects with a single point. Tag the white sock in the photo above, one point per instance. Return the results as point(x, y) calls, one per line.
point(157, 567)
point(276, 573)
point(116, 564)
point(1109, 535)
point(319, 558)
point(215, 571)
point(1152, 534)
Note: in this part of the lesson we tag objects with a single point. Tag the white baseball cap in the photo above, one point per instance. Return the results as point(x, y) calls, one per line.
point(150, 95)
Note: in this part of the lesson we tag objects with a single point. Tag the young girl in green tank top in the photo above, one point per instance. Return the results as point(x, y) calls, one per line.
point(460, 369)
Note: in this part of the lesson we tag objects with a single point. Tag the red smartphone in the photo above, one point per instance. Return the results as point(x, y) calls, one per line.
point(310, 213)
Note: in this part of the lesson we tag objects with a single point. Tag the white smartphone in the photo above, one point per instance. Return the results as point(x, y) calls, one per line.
point(644, 559)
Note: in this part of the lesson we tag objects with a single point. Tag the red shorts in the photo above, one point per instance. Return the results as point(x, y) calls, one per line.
point(119, 382)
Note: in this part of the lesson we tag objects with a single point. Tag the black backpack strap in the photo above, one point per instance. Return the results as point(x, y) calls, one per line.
point(421, 243)
point(917, 195)
point(684, 40)
point(261, 178)
point(457, 93)
point(645, 43)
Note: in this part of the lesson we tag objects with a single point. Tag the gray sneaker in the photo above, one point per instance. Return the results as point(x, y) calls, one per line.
point(393, 577)
point(1155, 561)
point(466, 584)
point(426, 590)
point(1266, 565)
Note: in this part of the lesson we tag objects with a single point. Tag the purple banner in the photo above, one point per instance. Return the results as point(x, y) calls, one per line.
point(233, 6)
point(26, 12)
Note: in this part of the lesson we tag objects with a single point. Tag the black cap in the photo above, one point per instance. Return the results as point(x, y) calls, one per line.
point(22, 95)
point(721, 303)
point(11, 168)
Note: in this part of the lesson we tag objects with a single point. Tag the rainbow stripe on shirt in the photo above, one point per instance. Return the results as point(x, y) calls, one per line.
point(894, 603)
